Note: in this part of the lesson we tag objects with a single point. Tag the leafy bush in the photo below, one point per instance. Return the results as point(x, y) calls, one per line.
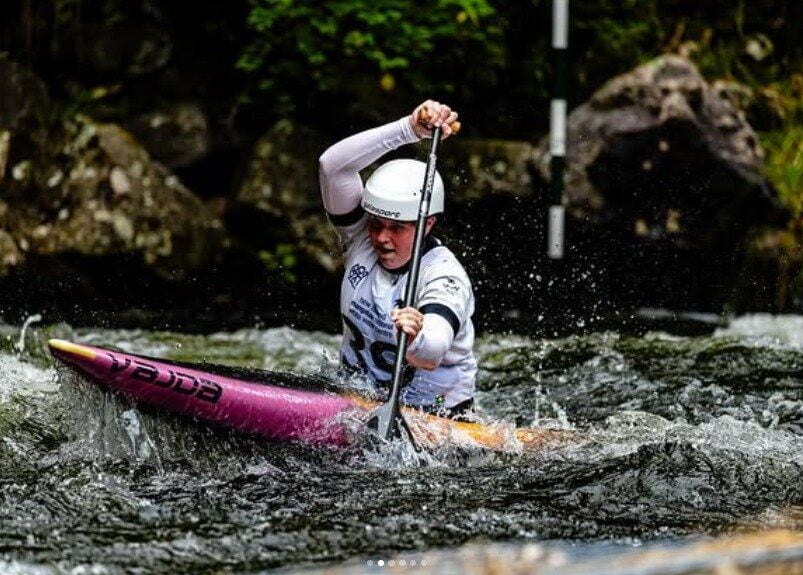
point(785, 165)
point(304, 48)
point(283, 259)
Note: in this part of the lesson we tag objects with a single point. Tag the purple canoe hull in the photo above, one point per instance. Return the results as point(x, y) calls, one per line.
point(277, 411)
point(273, 411)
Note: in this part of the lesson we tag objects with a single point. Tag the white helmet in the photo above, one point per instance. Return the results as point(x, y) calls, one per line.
point(394, 191)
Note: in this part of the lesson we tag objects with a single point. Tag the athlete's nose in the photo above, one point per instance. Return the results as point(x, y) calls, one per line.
point(383, 235)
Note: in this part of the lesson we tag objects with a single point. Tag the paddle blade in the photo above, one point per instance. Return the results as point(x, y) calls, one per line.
point(384, 421)
point(389, 424)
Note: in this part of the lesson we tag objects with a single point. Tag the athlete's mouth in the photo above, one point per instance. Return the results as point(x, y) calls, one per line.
point(384, 251)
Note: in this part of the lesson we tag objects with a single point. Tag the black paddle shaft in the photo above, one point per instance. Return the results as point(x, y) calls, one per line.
point(386, 418)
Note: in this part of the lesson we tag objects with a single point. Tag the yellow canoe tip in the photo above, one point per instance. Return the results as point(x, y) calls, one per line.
point(71, 348)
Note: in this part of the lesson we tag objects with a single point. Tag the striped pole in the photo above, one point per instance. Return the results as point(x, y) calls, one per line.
point(557, 129)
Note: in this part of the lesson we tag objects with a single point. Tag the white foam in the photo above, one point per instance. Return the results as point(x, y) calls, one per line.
point(18, 377)
point(764, 328)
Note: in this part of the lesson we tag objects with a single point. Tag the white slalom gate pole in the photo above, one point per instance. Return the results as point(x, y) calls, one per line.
point(557, 129)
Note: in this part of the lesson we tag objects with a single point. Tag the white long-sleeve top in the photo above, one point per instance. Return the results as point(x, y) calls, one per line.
point(369, 292)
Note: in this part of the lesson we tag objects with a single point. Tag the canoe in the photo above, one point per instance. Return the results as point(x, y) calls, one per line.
point(275, 405)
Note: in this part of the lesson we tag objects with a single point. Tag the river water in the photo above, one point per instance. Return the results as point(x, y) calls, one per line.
point(684, 437)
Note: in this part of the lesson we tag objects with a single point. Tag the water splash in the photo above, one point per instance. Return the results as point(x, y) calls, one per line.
point(30, 320)
point(765, 329)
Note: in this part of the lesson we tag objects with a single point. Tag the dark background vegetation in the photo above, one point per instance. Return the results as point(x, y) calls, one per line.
point(344, 65)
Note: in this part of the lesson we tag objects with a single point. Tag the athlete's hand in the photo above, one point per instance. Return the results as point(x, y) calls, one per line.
point(409, 320)
point(430, 114)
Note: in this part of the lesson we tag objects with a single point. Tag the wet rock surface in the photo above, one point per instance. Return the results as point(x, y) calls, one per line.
point(90, 223)
point(660, 134)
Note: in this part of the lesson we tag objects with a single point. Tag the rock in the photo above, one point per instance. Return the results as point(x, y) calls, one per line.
point(91, 226)
point(627, 144)
point(113, 199)
point(9, 252)
point(5, 140)
point(281, 167)
point(475, 169)
point(281, 183)
point(764, 107)
point(23, 98)
point(135, 48)
point(176, 136)
point(665, 179)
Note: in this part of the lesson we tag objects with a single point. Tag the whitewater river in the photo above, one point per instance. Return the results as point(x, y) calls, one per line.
point(685, 437)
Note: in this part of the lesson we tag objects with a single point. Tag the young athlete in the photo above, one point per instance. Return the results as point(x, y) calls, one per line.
point(376, 224)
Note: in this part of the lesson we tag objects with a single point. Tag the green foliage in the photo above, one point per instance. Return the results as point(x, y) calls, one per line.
point(282, 259)
point(302, 46)
point(82, 100)
point(608, 38)
point(783, 141)
point(785, 164)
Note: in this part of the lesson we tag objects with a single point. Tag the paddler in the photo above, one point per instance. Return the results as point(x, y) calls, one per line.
point(376, 225)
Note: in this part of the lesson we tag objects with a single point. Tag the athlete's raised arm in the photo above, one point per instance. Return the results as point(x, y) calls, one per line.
point(340, 165)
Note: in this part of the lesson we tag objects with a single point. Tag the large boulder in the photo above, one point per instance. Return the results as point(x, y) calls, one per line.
point(661, 138)
point(94, 191)
point(89, 221)
point(665, 179)
point(176, 136)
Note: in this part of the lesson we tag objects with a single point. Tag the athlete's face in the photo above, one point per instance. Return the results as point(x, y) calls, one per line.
point(393, 241)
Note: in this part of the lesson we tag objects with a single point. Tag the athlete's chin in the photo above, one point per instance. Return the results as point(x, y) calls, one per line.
point(387, 258)
point(391, 264)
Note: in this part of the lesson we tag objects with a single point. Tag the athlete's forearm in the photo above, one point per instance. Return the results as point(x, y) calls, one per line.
point(431, 344)
point(340, 165)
